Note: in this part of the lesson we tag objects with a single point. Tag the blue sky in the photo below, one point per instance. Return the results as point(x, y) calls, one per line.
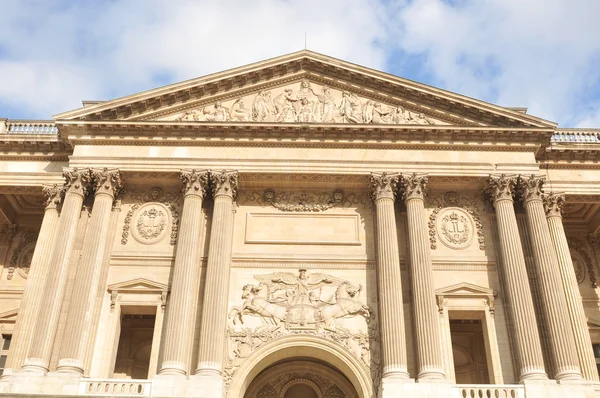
point(540, 54)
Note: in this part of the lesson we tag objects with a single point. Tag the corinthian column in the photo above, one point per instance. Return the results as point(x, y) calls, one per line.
point(389, 283)
point(427, 331)
point(76, 188)
point(214, 308)
point(107, 184)
point(553, 204)
point(554, 305)
point(527, 340)
point(179, 330)
point(38, 270)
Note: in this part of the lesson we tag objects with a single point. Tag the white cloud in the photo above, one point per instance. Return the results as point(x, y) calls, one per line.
point(59, 56)
point(534, 53)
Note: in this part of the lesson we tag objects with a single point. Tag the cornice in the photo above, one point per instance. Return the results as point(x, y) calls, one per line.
point(337, 70)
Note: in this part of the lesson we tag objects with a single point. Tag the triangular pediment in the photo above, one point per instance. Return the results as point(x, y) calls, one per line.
point(304, 87)
point(138, 285)
point(465, 289)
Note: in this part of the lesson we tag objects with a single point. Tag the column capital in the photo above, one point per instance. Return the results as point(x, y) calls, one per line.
point(384, 185)
point(224, 183)
point(107, 181)
point(553, 204)
point(78, 181)
point(54, 195)
point(195, 182)
point(501, 187)
point(414, 186)
point(531, 187)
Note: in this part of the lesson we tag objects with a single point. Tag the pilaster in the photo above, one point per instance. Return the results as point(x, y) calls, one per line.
point(427, 331)
point(553, 204)
point(76, 187)
point(179, 329)
point(107, 184)
point(214, 311)
point(526, 338)
point(389, 282)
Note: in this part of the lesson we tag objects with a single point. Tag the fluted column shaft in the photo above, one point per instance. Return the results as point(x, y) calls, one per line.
point(214, 309)
point(583, 343)
point(518, 294)
point(38, 270)
point(389, 281)
point(38, 357)
point(427, 329)
point(554, 305)
point(179, 329)
point(75, 340)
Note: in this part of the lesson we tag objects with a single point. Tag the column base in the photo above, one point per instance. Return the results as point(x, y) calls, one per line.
point(70, 366)
point(431, 376)
point(569, 375)
point(173, 368)
point(35, 366)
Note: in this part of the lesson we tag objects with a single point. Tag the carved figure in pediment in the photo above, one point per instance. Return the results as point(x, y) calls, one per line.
point(327, 111)
point(239, 112)
point(285, 106)
point(217, 113)
point(305, 112)
point(263, 108)
point(422, 119)
point(380, 114)
point(350, 108)
point(399, 116)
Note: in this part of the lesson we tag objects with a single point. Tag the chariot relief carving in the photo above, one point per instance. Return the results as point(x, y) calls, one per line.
point(316, 304)
point(305, 102)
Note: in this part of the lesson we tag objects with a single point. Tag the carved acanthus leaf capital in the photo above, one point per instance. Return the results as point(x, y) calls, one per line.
point(414, 186)
point(384, 185)
point(531, 188)
point(78, 181)
point(54, 195)
point(501, 187)
point(553, 204)
point(224, 183)
point(107, 181)
point(195, 182)
point(7, 232)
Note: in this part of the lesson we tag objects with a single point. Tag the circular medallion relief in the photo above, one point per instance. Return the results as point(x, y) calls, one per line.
point(455, 227)
point(151, 223)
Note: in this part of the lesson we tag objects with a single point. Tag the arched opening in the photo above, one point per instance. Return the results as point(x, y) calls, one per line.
point(298, 359)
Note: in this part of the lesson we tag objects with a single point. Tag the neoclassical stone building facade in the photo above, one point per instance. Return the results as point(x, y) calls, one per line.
point(299, 227)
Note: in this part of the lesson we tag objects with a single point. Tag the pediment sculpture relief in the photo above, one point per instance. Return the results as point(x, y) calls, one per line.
point(305, 102)
point(283, 303)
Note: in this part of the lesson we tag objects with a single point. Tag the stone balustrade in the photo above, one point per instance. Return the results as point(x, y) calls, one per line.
point(576, 137)
point(124, 387)
point(488, 391)
point(29, 127)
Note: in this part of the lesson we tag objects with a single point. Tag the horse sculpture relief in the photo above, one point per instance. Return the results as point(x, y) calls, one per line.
point(296, 302)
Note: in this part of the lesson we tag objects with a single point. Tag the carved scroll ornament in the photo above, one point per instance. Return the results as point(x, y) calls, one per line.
point(455, 228)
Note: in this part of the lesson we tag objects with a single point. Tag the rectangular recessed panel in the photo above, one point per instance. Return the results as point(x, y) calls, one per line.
point(302, 229)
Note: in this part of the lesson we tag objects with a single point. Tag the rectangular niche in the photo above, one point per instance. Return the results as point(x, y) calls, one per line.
point(302, 229)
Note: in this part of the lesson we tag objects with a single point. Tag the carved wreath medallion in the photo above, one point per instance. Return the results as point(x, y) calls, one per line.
point(455, 228)
point(150, 225)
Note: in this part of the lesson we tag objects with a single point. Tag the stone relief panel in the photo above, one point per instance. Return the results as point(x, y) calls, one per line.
point(152, 216)
point(455, 221)
point(304, 202)
point(20, 259)
point(283, 303)
point(305, 102)
point(582, 262)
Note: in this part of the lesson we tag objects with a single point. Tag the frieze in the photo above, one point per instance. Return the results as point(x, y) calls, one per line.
point(305, 102)
point(22, 255)
point(150, 215)
point(304, 202)
point(286, 304)
point(453, 219)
